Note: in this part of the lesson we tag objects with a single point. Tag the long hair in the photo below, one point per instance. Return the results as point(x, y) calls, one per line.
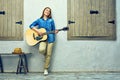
point(49, 16)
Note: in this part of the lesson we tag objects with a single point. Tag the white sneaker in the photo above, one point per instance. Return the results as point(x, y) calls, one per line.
point(45, 72)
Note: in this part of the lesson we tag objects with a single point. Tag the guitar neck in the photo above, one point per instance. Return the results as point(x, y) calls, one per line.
point(51, 32)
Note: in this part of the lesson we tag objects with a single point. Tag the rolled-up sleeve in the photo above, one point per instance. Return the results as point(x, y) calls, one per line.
point(35, 23)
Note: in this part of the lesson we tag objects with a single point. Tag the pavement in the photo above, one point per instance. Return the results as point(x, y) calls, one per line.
point(60, 76)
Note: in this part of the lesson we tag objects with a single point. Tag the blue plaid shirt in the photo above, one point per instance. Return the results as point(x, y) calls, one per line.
point(48, 25)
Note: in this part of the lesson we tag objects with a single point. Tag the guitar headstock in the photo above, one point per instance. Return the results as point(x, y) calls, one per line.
point(65, 28)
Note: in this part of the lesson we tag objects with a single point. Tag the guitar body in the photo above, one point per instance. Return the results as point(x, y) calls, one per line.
point(32, 38)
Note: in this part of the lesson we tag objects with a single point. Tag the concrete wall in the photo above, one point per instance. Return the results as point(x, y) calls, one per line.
point(68, 55)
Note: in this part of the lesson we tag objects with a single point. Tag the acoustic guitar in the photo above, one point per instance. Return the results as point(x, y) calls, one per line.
point(32, 38)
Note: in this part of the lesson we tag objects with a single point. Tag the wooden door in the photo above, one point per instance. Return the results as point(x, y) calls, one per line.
point(11, 19)
point(91, 19)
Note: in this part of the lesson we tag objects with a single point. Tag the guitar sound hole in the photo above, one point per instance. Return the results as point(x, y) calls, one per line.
point(38, 38)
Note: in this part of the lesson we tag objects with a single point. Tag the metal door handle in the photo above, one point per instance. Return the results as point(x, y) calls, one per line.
point(19, 22)
point(2, 12)
point(94, 12)
point(71, 22)
point(112, 22)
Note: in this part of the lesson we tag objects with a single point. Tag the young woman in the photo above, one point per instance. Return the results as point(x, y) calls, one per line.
point(45, 47)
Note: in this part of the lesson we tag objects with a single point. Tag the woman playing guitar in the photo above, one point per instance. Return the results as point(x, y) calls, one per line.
point(45, 47)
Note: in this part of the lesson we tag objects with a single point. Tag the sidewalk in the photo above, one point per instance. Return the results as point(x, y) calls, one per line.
point(60, 76)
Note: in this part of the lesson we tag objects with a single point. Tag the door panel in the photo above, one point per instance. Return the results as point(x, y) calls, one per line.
point(13, 13)
point(91, 19)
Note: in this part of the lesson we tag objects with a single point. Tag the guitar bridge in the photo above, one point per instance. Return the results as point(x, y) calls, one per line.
point(37, 37)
